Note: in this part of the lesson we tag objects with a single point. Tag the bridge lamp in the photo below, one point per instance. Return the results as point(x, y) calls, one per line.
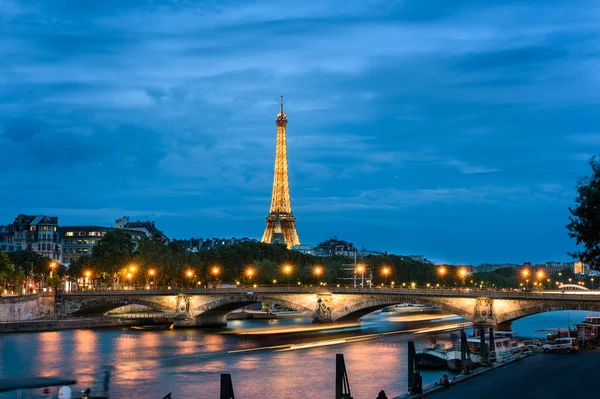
point(318, 270)
point(540, 274)
point(274, 281)
point(250, 273)
point(361, 269)
point(428, 285)
point(386, 272)
point(463, 274)
point(413, 284)
point(287, 270)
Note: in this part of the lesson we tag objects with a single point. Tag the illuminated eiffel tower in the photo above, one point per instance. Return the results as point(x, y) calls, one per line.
point(281, 224)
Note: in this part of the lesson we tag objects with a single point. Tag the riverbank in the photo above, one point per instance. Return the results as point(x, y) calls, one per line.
point(45, 325)
point(541, 376)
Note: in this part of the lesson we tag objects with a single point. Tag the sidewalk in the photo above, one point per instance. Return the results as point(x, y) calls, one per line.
point(542, 376)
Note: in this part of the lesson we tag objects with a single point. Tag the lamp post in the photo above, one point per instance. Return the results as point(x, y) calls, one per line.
point(463, 274)
point(361, 269)
point(287, 270)
point(52, 267)
point(129, 277)
point(151, 273)
point(87, 279)
point(190, 275)
point(525, 274)
point(215, 272)
point(442, 272)
point(540, 276)
point(385, 271)
point(318, 270)
point(592, 280)
point(250, 274)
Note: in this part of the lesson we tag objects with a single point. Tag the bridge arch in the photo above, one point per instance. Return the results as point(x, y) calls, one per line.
point(222, 305)
point(360, 308)
point(96, 306)
point(529, 308)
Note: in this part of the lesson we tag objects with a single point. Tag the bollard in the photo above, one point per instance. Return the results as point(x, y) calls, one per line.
point(226, 387)
point(482, 351)
point(492, 346)
point(415, 380)
point(342, 385)
point(465, 355)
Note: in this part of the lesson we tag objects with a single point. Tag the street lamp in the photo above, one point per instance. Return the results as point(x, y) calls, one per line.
point(129, 277)
point(87, 279)
point(250, 273)
point(215, 271)
point(287, 270)
point(361, 269)
point(190, 275)
point(318, 270)
point(151, 273)
point(385, 271)
point(463, 274)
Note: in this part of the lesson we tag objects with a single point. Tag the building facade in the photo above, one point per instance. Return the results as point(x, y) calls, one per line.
point(333, 246)
point(37, 233)
point(78, 241)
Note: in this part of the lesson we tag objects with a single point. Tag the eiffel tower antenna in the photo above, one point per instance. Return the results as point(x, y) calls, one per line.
point(281, 221)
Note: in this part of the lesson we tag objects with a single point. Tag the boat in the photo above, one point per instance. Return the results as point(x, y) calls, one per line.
point(588, 331)
point(432, 358)
point(503, 346)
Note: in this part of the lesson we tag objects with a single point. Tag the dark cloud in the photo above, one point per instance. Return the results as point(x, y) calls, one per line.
point(405, 118)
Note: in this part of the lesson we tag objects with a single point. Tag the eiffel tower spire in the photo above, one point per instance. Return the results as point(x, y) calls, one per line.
point(280, 220)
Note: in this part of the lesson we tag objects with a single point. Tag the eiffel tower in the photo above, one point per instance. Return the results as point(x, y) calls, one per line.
point(281, 224)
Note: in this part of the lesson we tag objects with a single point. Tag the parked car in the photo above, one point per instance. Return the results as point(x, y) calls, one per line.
point(568, 345)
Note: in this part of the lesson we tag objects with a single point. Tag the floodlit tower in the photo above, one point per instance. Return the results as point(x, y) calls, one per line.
point(280, 220)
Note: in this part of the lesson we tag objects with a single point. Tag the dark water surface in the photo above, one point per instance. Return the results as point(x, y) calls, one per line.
point(267, 359)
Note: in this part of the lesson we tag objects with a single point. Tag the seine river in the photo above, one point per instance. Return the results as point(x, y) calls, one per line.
point(277, 359)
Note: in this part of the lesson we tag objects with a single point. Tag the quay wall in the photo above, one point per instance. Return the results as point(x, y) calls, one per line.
point(26, 307)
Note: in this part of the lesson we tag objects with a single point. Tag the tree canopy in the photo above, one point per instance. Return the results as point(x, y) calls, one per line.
point(584, 224)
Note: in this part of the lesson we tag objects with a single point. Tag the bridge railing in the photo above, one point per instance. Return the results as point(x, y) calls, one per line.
point(404, 291)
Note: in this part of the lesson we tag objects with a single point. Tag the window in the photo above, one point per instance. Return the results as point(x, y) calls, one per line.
point(39, 247)
point(79, 241)
point(86, 242)
point(31, 228)
point(78, 250)
point(43, 247)
point(45, 227)
point(69, 234)
point(93, 242)
point(85, 250)
point(55, 229)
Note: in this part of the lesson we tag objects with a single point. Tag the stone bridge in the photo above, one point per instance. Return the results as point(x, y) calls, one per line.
point(209, 307)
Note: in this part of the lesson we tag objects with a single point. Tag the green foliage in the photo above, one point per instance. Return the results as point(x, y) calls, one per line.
point(112, 255)
point(8, 271)
point(584, 223)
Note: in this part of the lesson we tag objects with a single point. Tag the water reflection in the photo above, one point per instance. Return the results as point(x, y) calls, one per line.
point(290, 358)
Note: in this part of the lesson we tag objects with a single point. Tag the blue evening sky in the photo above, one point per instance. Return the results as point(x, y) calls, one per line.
point(453, 129)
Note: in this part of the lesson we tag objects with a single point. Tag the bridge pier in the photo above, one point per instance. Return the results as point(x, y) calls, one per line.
point(213, 320)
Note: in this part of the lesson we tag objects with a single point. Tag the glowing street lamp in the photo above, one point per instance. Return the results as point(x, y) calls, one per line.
point(151, 273)
point(463, 274)
point(88, 274)
point(385, 271)
point(129, 277)
point(318, 270)
point(360, 269)
point(215, 272)
point(287, 270)
point(250, 273)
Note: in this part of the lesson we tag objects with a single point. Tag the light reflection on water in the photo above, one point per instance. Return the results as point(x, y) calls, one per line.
point(150, 364)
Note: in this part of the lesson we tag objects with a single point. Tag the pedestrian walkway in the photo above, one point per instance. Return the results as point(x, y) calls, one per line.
point(542, 376)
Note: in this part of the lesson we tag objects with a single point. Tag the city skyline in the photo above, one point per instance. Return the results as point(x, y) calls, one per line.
point(414, 131)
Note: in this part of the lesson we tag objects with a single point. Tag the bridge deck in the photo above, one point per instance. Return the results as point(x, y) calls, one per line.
point(593, 296)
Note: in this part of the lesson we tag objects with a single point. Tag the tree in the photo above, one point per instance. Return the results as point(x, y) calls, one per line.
point(584, 223)
point(113, 254)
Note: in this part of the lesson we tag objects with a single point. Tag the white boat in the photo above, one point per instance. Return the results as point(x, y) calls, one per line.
point(503, 345)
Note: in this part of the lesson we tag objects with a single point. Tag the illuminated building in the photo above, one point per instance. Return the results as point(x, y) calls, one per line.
point(281, 224)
